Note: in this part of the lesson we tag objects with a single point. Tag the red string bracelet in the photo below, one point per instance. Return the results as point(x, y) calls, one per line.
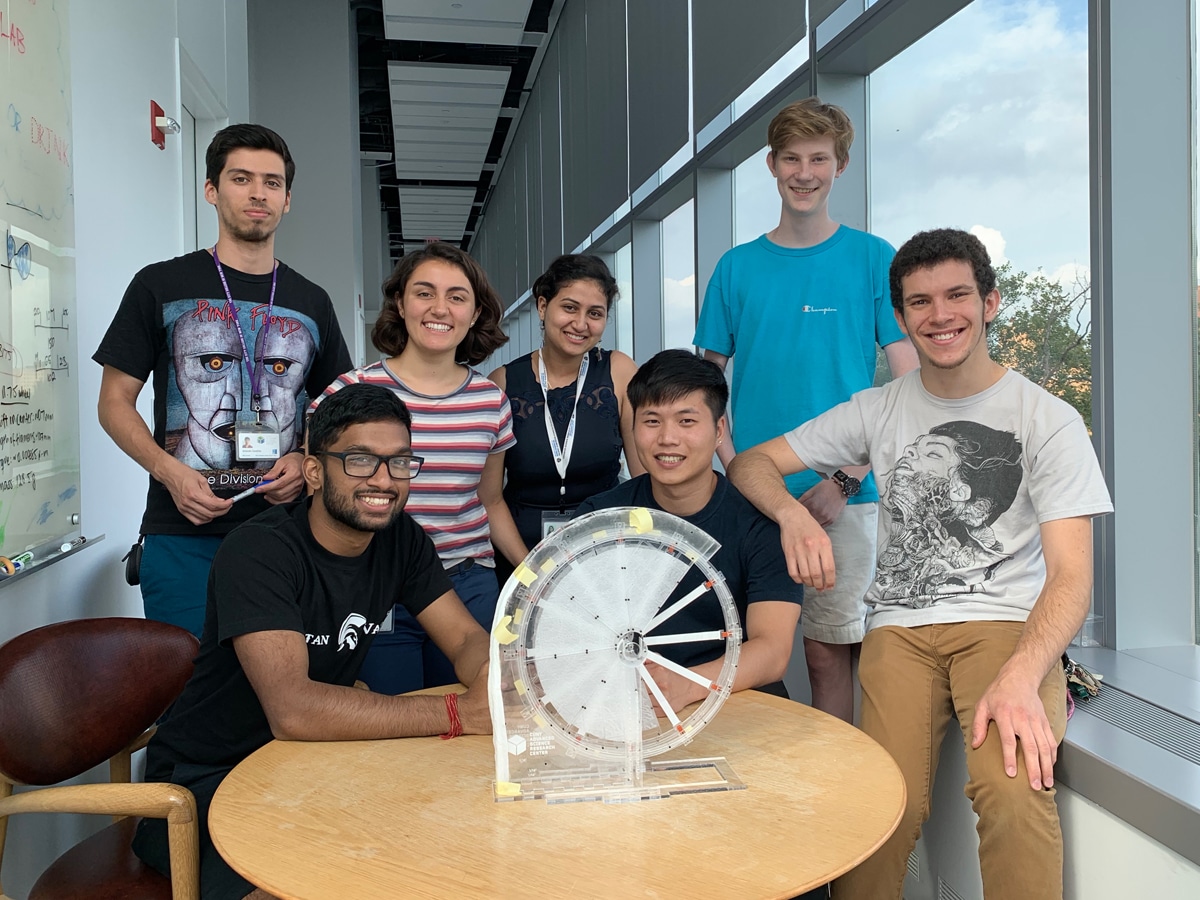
point(455, 721)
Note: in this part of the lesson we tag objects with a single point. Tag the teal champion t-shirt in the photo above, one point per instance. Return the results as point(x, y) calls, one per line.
point(802, 325)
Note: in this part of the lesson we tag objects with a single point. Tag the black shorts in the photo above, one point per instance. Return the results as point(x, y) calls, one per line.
point(217, 880)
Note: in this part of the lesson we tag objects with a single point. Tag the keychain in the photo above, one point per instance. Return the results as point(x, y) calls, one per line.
point(1080, 682)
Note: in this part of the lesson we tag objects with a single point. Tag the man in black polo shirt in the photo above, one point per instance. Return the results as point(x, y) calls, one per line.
point(678, 402)
point(294, 600)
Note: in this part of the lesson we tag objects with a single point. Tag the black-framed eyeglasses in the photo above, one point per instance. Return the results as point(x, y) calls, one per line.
point(357, 464)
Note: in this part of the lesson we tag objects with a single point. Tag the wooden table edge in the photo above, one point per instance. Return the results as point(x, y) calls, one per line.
point(755, 696)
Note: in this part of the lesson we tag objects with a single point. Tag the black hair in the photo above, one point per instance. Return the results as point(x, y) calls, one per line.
point(573, 267)
point(249, 137)
point(390, 334)
point(931, 248)
point(671, 374)
point(354, 404)
point(989, 463)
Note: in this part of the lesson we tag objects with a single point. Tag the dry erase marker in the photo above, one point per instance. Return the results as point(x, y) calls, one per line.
point(70, 545)
point(250, 491)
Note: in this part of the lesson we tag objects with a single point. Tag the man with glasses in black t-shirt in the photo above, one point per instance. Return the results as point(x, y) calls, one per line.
point(294, 600)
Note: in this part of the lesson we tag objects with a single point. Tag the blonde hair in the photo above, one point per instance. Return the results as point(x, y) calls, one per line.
point(810, 118)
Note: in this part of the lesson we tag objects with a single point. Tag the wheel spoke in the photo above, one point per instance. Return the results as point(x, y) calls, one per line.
point(654, 689)
point(706, 683)
point(675, 607)
point(654, 640)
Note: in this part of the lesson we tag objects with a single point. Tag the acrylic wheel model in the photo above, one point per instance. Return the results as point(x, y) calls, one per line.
point(586, 612)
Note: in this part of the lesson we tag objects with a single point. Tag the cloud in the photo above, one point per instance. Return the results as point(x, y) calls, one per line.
point(993, 241)
point(1071, 276)
point(985, 119)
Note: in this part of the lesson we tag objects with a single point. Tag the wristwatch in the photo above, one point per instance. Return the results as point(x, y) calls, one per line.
point(848, 483)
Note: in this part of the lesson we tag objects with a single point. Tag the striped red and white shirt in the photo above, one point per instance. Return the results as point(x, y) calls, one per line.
point(455, 433)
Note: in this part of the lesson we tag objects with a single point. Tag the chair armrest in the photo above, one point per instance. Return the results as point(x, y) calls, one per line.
point(155, 800)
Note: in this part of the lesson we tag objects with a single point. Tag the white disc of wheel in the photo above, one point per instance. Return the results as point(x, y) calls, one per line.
point(586, 612)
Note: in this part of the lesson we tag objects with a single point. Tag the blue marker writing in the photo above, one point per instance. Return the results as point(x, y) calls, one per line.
point(249, 492)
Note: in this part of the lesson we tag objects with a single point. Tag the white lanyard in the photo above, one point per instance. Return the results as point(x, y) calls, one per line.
point(561, 454)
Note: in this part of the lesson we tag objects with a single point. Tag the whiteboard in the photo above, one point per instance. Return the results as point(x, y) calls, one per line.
point(39, 398)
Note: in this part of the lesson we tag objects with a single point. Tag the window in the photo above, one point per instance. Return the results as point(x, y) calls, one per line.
point(755, 198)
point(679, 277)
point(620, 330)
point(997, 143)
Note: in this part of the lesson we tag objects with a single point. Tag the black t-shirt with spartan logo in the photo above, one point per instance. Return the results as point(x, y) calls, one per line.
point(272, 575)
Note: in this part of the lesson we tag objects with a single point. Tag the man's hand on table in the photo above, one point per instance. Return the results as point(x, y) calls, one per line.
point(473, 707)
point(678, 690)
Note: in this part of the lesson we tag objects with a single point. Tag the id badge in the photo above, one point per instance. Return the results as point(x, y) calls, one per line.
point(552, 521)
point(254, 441)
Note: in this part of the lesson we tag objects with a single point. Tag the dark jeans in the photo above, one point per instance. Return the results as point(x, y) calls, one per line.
point(407, 660)
point(174, 574)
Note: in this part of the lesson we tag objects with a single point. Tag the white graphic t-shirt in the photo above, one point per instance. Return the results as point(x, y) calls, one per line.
point(964, 487)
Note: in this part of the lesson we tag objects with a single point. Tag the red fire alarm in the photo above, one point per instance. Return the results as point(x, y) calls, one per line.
point(156, 134)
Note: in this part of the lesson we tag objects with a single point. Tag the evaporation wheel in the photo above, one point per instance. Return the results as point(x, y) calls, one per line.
point(593, 606)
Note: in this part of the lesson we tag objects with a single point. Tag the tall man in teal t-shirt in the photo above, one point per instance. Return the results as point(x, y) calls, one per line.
point(803, 308)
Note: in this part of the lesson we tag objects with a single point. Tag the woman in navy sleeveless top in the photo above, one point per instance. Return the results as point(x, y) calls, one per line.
point(574, 298)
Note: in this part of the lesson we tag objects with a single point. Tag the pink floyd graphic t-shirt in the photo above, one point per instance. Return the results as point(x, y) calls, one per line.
point(176, 325)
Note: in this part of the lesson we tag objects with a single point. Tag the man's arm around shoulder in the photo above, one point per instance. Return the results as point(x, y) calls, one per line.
point(758, 474)
point(300, 709)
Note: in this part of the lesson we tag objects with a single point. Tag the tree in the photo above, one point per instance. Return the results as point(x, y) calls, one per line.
point(1044, 331)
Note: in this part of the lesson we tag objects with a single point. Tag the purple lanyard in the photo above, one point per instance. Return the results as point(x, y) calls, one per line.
point(253, 366)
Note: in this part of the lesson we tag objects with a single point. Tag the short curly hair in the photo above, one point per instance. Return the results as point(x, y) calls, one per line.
point(810, 118)
point(390, 335)
point(930, 248)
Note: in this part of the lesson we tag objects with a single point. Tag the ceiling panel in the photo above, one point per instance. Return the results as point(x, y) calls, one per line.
point(456, 21)
point(440, 84)
point(443, 118)
point(440, 212)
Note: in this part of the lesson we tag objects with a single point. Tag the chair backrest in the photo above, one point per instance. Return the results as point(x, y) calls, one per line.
point(73, 694)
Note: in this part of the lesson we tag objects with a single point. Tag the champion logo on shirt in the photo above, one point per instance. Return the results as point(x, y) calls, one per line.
point(806, 308)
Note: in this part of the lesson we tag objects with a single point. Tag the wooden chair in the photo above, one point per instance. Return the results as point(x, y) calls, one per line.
point(73, 695)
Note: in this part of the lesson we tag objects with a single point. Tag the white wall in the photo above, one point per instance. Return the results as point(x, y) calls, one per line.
point(376, 263)
point(128, 213)
point(1106, 858)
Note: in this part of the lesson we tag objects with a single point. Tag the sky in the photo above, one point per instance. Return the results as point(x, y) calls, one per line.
point(980, 125)
point(983, 125)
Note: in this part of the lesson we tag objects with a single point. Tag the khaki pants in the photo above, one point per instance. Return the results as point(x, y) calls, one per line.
point(913, 681)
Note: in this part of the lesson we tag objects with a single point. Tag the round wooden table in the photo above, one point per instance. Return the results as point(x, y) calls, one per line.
point(415, 818)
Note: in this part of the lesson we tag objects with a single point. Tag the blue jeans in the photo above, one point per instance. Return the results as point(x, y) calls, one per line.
point(407, 660)
point(174, 575)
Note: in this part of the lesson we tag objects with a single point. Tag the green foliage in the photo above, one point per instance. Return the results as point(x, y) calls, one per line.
point(1044, 331)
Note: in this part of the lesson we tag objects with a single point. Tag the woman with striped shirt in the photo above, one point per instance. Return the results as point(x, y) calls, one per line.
point(440, 317)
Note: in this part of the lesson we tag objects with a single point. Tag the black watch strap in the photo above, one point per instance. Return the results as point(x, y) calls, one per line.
point(848, 483)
